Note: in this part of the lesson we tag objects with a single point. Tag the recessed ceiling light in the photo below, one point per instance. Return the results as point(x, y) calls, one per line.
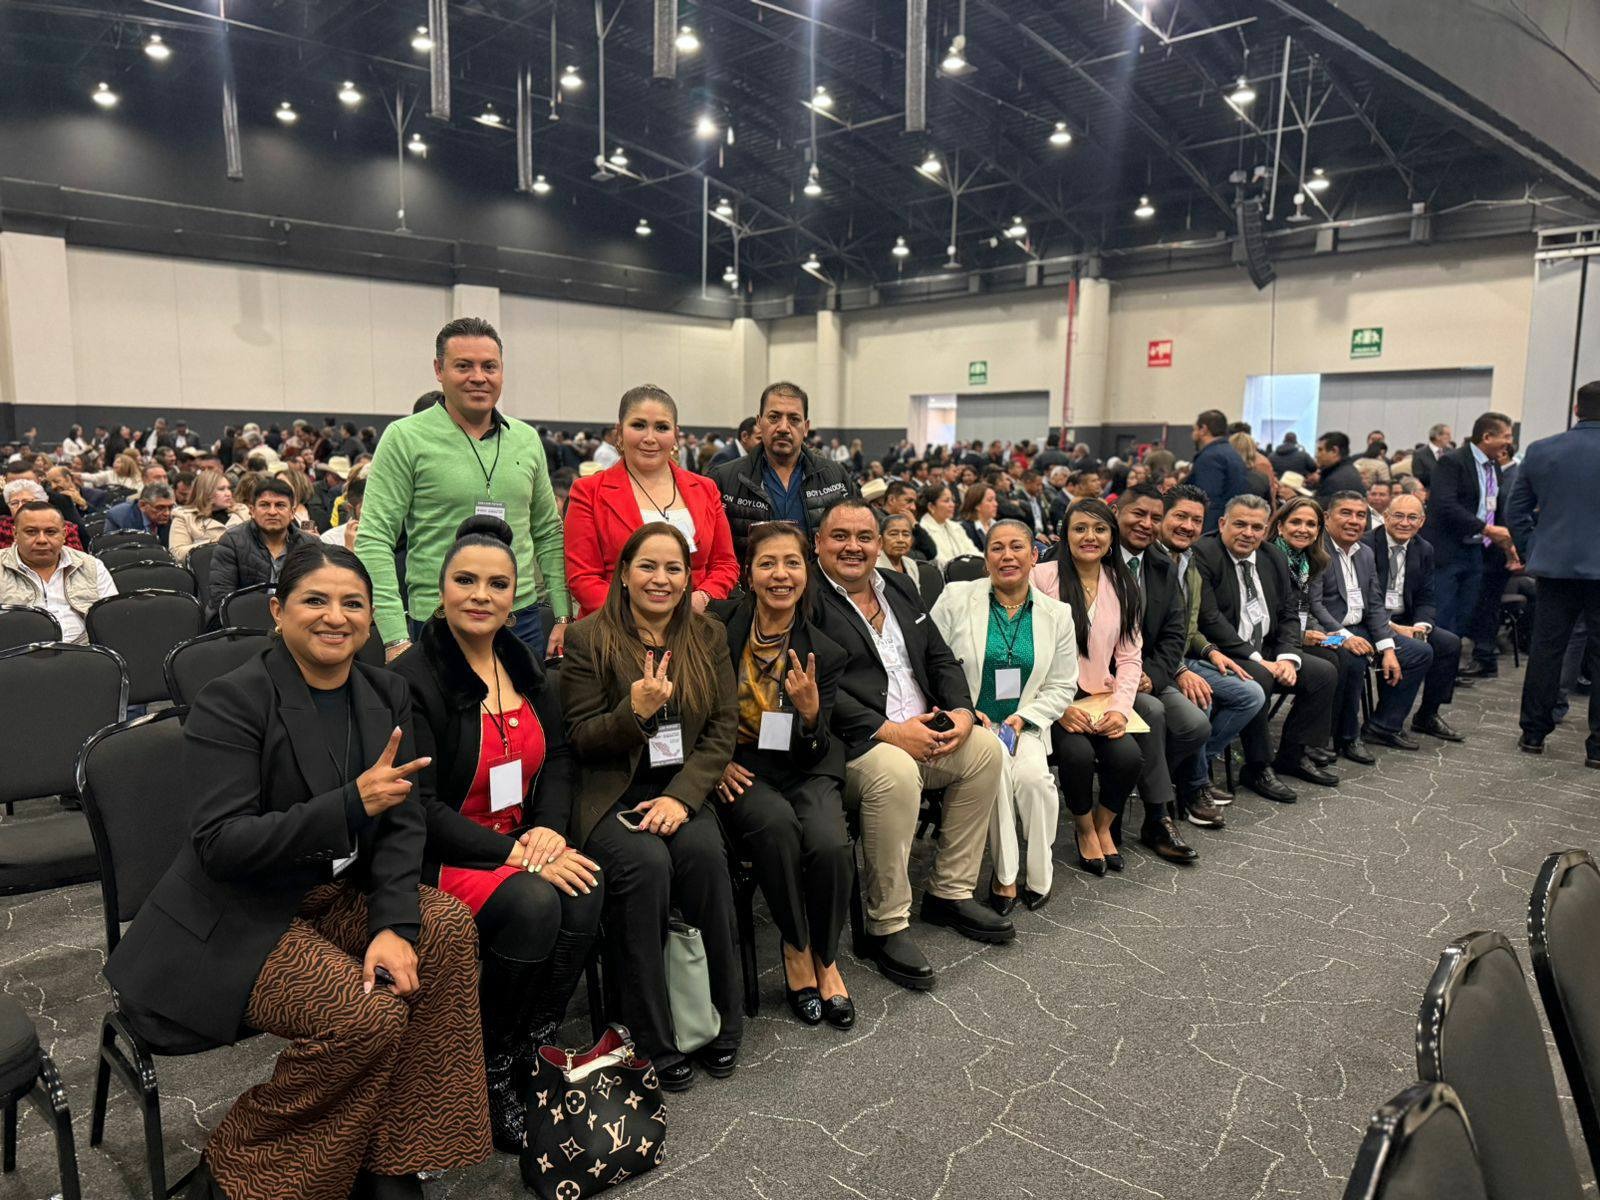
point(900, 248)
point(813, 182)
point(1146, 210)
point(1242, 93)
point(687, 42)
point(489, 117)
point(571, 80)
point(348, 94)
point(955, 59)
point(952, 263)
point(730, 276)
point(541, 186)
point(417, 146)
point(931, 165)
point(1061, 135)
point(286, 113)
point(105, 97)
point(822, 100)
point(705, 128)
point(723, 209)
point(420, 41)
point(643, 228)
point(618, 158)
point(1018, 230)
point(157, 49)
point(811, 264)
point(1319, 180)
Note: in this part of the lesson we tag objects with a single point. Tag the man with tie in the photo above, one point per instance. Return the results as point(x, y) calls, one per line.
point(1405, 580)
point(1248, 611)
point(1551, 513)
point(1465, 498)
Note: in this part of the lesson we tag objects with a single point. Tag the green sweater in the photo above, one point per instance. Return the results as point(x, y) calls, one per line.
point(426, 478)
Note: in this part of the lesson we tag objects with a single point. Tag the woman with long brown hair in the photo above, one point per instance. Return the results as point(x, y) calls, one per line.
point(653, 714)
point(1299, 529)
point(211, 511)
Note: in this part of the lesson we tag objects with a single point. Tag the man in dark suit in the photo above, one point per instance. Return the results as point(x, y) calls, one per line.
point(1346, 602)
point(1463, 501)
point(151, 511)
point(1440, 442)
point(1248, 611)
point(1405, 579)
point(906, 719)
point(1217, 469)
point(1043, 507)
point(1178, 729)
point(1335, 471)
point(1552, 515)
point(749, 439)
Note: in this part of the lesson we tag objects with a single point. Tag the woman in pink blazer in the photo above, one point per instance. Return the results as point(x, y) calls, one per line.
point(1088, 574)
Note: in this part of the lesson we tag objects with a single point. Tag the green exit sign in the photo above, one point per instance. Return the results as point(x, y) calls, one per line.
point(1366, 343)
point(978, 372)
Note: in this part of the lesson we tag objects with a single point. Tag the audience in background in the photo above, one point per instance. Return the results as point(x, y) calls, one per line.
point(24, 490)
point(253, 552)
point(1217, 469)
point(980, 506)
point(1335, 471)
point(151, 512)
point(210, 513)
point(39, 569)
point(898, 545)
point(936, 517)
point(345, 534)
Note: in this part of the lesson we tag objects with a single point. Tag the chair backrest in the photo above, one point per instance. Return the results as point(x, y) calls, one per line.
point(147, 575)
point(968, 566)
point(1418, 1147)
point(90, 528)
point(137, 815)
point(193, 664)
point(1479, 1032)
point(53, 697)
point(199, 564)
point(143, 627)
point(247, 607)
point(137, 552)
point(122, 537)
point(22, 624)
point(1563, 916)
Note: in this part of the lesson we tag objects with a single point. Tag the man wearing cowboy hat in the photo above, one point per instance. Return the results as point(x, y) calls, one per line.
point(1291, 484)
point(329, 480)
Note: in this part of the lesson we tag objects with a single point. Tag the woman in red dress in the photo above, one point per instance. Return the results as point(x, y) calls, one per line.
point(506, 783)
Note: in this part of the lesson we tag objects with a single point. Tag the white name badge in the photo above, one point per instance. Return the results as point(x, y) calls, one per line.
point(1489, 504)
point(1303, 623)
point(341, 865)
point(1391, 600)
point(777, 731)
point(1256, 611)
point(666, 746)
point(1008, 683)
point(490, 508)
point(683, 522)
point(505, 785)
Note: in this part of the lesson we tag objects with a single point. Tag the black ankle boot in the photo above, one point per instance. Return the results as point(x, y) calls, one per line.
point(548, 988)
point(508, 1114)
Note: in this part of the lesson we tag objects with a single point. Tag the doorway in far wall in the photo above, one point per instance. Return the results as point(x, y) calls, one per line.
point(931, 420)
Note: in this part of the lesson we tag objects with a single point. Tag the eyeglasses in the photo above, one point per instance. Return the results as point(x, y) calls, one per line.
point(1403, 519)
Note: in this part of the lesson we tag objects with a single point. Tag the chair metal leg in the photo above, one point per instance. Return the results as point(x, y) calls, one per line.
point(50, 1098)
point(138, 1071)
point(8, 1141)
point(745, 899)
point(1227, 769)
point(102, 1085)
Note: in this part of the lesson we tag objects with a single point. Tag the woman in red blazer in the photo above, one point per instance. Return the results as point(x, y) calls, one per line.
point(604, 509)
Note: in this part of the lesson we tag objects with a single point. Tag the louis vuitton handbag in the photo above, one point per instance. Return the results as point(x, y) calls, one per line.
point(594, 1119)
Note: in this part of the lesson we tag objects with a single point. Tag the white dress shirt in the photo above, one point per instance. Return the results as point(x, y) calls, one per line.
point(905, 698)
point(1354, 598)
point(55, 595)
point(1246, 628)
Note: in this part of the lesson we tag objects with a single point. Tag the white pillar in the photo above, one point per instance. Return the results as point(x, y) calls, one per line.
point(827, 390)
point(1090, 351)
point(36, 361)
point(750, 359)
point(475, 300)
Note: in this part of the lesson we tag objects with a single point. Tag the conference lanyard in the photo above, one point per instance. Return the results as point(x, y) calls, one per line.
point(1011, 626)
point(488, 475)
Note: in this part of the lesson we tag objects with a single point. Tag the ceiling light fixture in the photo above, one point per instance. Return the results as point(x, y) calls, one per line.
point(420, 41)
point(105, 97)
point(157, 49)
point(1061, 135)
point(1146, 210)
point(1018, 230)
point(643, 228)
point(955, 59)
point(822, 101)
point(812, 265)
point(571, 80)
point(705, 128)
point(489, 117)
point(348, 95)
point(723, 209)
point(687, 42)
point(541, 186)
point(1319, 180)
point(417, 146)
point(286, 113)
point(900, 248)
point(952, 263)
point(730, 276)
point(1242, 93)
point(931, 165)
point(618, 158)
point(813, 182)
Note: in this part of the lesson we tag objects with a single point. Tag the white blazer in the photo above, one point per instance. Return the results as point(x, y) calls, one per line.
point(962, 617)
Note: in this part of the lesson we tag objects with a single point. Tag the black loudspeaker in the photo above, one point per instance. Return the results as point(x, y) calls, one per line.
point(1251, 248)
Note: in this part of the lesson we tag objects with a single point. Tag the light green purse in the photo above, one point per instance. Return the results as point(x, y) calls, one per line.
point(695, 1020)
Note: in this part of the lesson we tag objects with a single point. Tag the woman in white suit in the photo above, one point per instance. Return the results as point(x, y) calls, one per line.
point(1019, 650)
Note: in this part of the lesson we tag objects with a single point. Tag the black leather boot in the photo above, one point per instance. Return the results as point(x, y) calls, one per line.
point(547, 990)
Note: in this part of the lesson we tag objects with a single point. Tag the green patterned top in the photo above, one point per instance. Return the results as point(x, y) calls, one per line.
point(1009, 645)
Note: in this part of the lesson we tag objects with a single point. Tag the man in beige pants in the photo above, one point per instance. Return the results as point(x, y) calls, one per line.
point(905, 716)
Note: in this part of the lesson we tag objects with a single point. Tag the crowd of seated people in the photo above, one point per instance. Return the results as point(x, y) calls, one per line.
point(612, 681)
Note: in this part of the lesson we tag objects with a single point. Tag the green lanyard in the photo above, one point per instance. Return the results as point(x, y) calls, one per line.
point(1013, 626)
point(488, 475)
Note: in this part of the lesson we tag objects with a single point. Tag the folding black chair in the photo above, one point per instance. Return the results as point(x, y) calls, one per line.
point(967, 567)
point(53, 696)
point(140, 822)
point(1418, 1147)
point(137, 552)
point(90, 528)
point(1478, 1031)
point(23, 624)
point(1563, 915)
point(199, 564)
point(152, 575)
point(192, 664)
point(121, 537)
point(143, 627)
point(27, 1073)
point(247, 607)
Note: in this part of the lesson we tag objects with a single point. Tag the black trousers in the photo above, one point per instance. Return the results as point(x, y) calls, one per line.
point(1310, 719)
point(1081, 756)
point(792, 830)
point(647, 876)
point(1439, 686)
point(1561, 603)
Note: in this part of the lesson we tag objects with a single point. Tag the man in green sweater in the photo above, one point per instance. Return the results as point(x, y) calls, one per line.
point(454, 459)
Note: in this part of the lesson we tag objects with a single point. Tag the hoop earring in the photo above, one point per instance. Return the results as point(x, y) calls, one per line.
point(439, 611)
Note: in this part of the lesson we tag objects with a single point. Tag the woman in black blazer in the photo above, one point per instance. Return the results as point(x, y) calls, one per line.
point(503, 776)
point(295, 909)
point(783, 793)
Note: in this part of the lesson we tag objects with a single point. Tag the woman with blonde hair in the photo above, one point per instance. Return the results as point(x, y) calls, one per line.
point(1258, 480)
point(212, 508)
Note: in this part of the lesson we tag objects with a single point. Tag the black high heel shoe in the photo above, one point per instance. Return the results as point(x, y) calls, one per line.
point(806, 1004)
point(1095, 866)
point(1114, 862)
point(839, 1011)
point(1001, 904)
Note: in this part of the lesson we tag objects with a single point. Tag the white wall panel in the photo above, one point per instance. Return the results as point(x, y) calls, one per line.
point(404, 318)
point(230, 337)
point(326, 348)
point(124, 328)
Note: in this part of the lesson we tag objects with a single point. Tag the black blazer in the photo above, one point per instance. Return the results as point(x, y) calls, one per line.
point(929, 580)
point(1453, 503)
point(268, 818)
point(858, 712)
point(1417, 602)
point(1331, 607)
point(1221, 605)
point(1343, 476)
point(446, 698)
point(1164, 619)
point(922, 541)
point(817, 752)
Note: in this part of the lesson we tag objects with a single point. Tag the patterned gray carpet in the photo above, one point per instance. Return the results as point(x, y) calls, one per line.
point(1221, 1031)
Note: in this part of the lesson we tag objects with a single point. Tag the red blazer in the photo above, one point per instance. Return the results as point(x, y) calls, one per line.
point(602, 514)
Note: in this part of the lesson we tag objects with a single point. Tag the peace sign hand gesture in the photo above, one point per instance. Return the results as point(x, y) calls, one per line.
point(652, 691)
point(384, 785)
point(801, 684)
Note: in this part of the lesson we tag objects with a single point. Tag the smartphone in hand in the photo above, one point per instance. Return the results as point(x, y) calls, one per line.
point(941, 723)
point(632, 818)
point(1007, 736)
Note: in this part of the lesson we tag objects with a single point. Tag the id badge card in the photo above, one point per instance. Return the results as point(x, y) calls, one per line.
point(681, 520)
point(505, 784)
point(666, 746)
point(1391, 600)
point(1008, 683)
point(490, 508)
point(777, 730)
point(1256, 611)
point(341, 865)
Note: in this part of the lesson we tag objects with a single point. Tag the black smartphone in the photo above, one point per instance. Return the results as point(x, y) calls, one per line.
point(941, 723)
point(381, 974)
point(632, 818)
